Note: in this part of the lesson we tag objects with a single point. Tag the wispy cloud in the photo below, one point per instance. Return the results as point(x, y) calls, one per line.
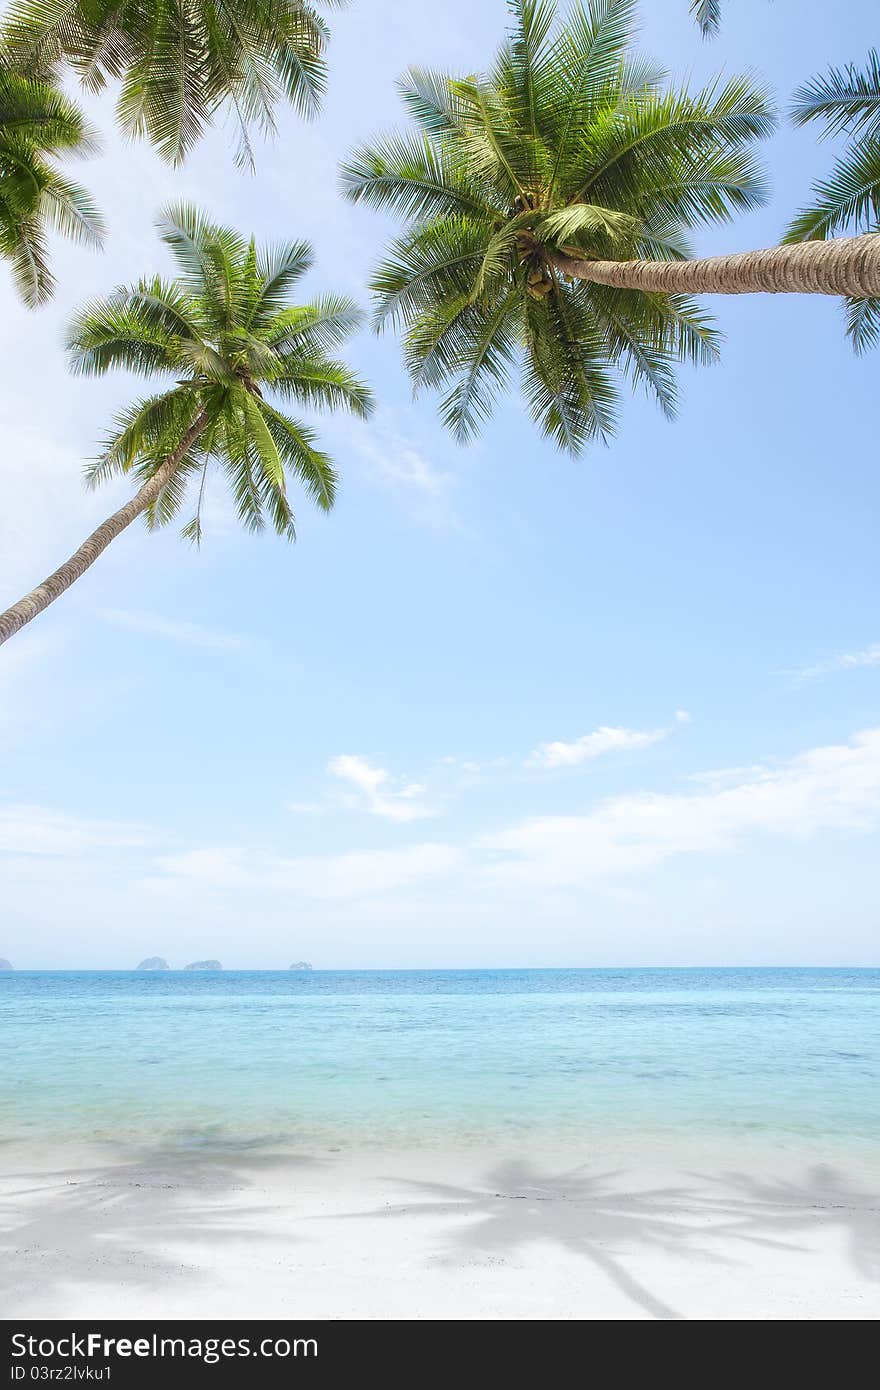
point(405, 465)
point(26, 829)
point(398, 461)
point(377, 791)
point(830, 788)
point(843, 661)
point(606, 739)
point(172, 629)
point(354, 875)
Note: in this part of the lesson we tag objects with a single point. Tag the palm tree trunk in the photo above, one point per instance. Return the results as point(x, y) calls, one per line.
point(842, 266)
point(33, 603)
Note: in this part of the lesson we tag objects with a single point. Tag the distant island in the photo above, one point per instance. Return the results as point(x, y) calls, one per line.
point(154, 963)
point(7, 965)
point(300, 965)
point(204, 965)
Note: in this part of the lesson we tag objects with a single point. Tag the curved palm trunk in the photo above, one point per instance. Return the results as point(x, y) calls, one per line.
point(842, 266)
point(57, 583)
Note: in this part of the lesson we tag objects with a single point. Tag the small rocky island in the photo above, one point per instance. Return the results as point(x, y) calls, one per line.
point(154, 963)
point(204, 965)
point(300, 965)
point(5, 964)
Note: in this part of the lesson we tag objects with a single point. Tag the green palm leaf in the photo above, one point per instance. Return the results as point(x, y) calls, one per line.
point(845, 100)
point(863, 323)
point(707, 13)
point(38, 124)
point(180, 63)
point(569, 149)
point(225, 330)
point(850, 198)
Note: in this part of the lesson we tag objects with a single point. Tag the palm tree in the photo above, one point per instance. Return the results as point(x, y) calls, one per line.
point(527, 194)
point(37, 123)
point(847, 101)
point(180, 61)
point(225, 334)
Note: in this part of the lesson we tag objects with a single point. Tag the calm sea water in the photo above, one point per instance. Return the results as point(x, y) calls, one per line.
point(433, 1057)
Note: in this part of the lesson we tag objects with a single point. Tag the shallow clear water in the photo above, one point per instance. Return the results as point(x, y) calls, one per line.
point(425, 1057)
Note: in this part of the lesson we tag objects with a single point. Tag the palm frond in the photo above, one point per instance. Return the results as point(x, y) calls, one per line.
point(38, 124)
point(568, 225)
point(71, 211)
point(863, 323)
point(849, 198)
point(435, 261)
point(322, 384)
point(180, 64)
point(410, 176)
point(295, 443)
point(191, 237)
point(431, 101)
point(570, 392)
point(226, 330)
point(570, 145)
point(149, 429)
point(276, 271)
point(24, 246)
point(707, 13)
point(299, 60)
point(484, 359)
point(314, 328)
point(111, 333)
point(845, 99)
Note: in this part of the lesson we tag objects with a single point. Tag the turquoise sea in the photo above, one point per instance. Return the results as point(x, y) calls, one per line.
point(786, 1057)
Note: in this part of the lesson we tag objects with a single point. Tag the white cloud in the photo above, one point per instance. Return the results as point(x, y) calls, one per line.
point(354, 875)
point(843, 661)
point(400, 462)
point(465, 764)
point(726, 776)
point(377, 792)
point(826, 789)
point(187, 634)
point(39, 830)
point(606, 739)
point(831, 788)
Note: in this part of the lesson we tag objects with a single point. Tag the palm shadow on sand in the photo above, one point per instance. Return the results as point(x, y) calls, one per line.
point(119, 1224)
point(601, 1219)
point(825, 1195)
point(108, 1225)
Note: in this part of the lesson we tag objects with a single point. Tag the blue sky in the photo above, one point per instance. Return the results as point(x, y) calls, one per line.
point(500, 707)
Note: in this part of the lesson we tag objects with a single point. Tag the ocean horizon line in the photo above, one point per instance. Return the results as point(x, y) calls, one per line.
point(418, 969)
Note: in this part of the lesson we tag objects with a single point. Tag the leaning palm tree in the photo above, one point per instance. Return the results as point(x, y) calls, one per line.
point(847, 101)
point(180, 61)
point(37, 124)
point(546, 207)
point(224, 333)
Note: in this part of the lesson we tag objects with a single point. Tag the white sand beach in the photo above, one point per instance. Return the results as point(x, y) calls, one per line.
point(466, 1235)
